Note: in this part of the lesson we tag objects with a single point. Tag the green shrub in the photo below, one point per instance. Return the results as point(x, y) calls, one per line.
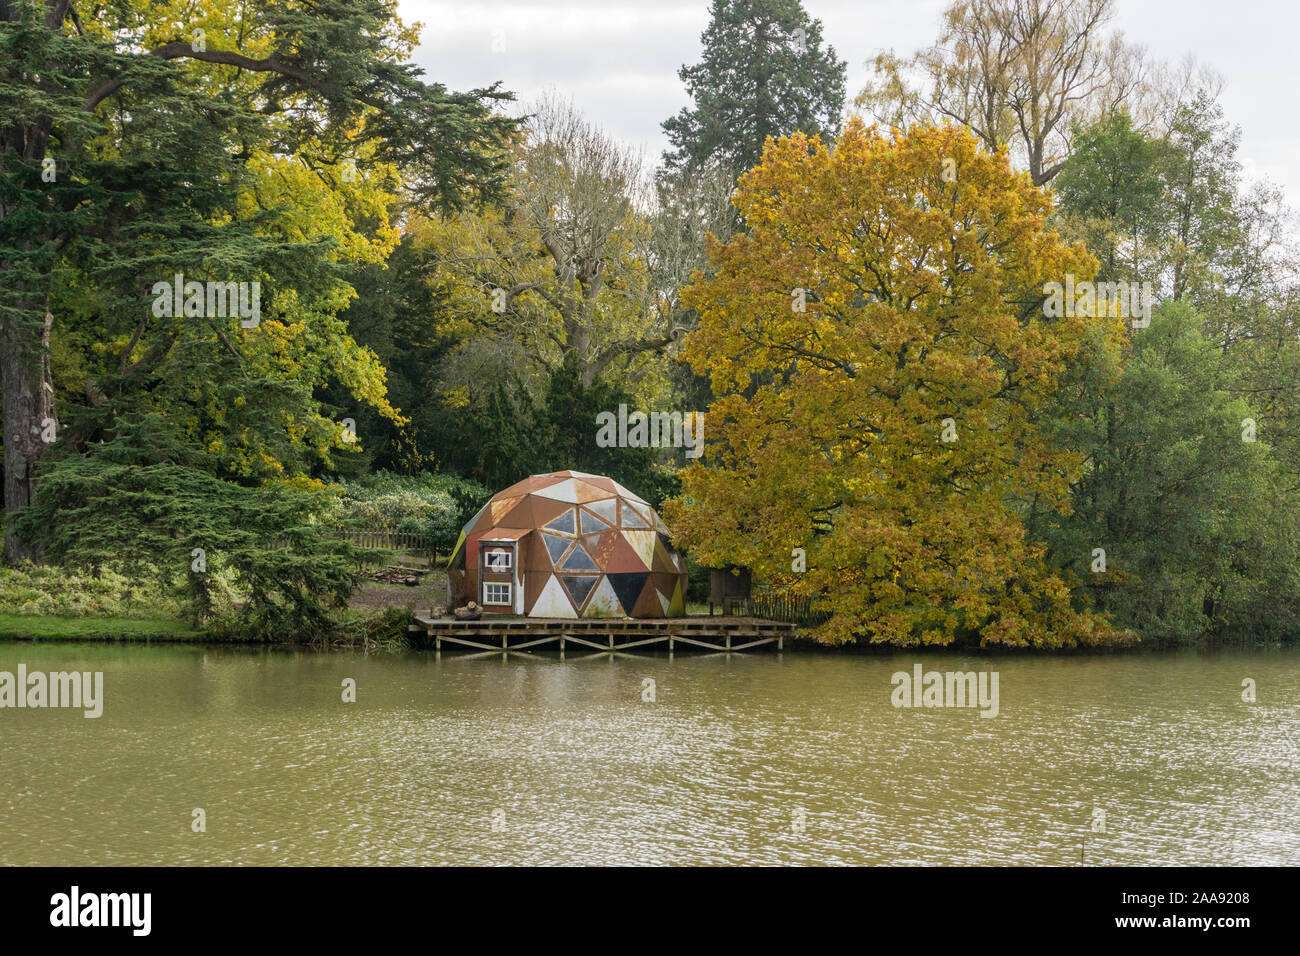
point(56, 592)
point(153, 522)
point(436, 505)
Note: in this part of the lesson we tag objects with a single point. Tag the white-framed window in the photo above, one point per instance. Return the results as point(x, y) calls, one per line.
point(494, 593)
point(497, 560)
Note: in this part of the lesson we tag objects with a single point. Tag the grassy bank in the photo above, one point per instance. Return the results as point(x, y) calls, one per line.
point(46, 627)
point(46, 603)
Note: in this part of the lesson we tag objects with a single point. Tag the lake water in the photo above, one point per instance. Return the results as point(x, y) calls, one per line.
point(1143, 758)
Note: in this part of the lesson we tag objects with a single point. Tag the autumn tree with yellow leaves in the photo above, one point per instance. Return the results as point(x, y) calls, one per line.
point(877, 343)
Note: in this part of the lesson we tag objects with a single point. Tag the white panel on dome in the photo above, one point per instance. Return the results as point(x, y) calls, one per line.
point(605, 508)
point(552, 602)
point(627, 494)
point(560, 491)
point(604, 602)
point(664, 602)
point(632, 518)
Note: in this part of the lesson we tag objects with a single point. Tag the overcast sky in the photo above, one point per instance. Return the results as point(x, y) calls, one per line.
point(618, 59)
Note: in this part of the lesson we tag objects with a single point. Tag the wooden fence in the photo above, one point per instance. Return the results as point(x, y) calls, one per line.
point(791, 610)
point(374, 540)
point(388, 540)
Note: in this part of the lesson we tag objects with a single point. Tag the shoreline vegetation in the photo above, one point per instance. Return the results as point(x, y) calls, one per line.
point(47, 603)
point(387, 632)
point(45, 607)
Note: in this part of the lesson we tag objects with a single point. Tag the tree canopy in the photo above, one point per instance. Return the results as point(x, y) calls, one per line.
point(881, 356)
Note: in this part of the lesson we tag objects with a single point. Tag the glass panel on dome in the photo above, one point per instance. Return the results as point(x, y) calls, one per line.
point(579, 560)
point(556, 546)
point(579, 587)
point(564, 524)
point(632, 518)
point(605, 510)
point(591, 523)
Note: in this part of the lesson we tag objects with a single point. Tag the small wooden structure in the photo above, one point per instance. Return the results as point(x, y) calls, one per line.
point(728, 587)
point(710, 634)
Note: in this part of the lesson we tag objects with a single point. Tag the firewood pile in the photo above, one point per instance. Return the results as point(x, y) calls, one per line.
point(470, 612)
point(396, 575)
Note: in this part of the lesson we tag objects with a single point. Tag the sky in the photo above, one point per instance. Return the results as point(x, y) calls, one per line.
point(617, 60)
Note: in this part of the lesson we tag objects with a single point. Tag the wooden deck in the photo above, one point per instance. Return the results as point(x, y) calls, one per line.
point(724, 634)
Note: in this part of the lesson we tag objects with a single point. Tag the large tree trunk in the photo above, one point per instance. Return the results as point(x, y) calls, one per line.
point(28, 393)
point(26, 386)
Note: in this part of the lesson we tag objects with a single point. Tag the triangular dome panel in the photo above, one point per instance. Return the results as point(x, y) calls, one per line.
point(603, 601)
point(677, 606)
point(662, 560)
point(628, 587)
point(553, 601)
point(560, 491)
point(643, 542)
point(632, 517)
point(623, 557)
point(578, 560)
point(579, 587)
point(564, 524)
point(606, 510)
point(556, 546)
point(590, 524)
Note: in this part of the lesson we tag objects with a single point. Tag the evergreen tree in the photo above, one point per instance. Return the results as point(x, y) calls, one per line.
point(765, 72)
point(190, 531)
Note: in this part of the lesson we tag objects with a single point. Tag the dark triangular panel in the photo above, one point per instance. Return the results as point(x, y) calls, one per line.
point(564, 524)
point(579, 587)
point(628, 588)
point(555, 546)
point(579, 560)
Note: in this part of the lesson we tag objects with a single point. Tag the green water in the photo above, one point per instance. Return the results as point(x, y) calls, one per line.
point(743, 759)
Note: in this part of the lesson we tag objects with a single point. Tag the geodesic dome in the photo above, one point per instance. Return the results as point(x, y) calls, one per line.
point(568, 545)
